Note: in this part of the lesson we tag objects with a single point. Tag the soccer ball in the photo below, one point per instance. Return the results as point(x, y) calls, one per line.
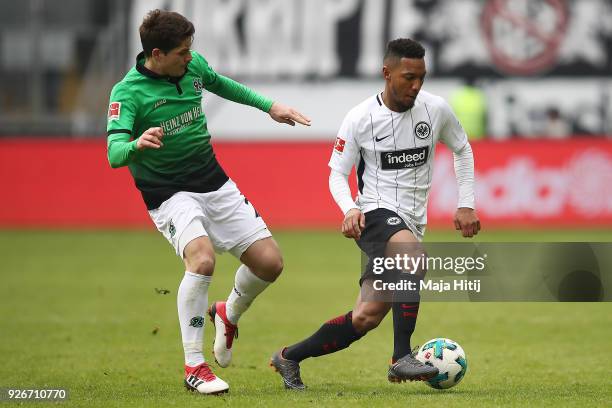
point(448, 357)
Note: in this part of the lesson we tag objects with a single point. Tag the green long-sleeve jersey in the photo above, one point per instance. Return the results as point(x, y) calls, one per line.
point(186, 162)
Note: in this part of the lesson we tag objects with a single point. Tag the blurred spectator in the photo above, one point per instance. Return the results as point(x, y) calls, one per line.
point(470, 106)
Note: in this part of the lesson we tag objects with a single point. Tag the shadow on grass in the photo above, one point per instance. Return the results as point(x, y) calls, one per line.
point(329, 390)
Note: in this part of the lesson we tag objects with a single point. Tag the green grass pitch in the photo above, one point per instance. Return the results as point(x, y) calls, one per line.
point(79, 310)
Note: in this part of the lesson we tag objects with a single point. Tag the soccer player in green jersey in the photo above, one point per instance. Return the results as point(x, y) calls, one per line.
point(157, 128)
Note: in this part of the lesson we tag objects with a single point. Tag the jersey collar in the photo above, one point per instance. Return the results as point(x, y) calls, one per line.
point(381, 103)
point(150, 74)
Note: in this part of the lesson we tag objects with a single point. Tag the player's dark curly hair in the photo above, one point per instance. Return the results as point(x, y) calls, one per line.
point(404, 48)
point(164, 30)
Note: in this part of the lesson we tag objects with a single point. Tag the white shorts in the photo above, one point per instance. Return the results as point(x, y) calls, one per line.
point(225, 216)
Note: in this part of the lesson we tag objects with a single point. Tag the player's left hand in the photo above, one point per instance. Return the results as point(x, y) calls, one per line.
point(285, 114)
point(467, 222)
point(353, 224)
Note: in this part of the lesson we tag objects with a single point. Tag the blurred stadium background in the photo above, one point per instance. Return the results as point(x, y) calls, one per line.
point(530, 80)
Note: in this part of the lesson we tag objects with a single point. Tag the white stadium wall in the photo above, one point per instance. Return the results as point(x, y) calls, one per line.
point(324, 56)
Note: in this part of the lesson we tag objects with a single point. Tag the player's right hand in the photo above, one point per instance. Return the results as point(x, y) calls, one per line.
point(285, 114)
point(353, 224)
point(150, 139)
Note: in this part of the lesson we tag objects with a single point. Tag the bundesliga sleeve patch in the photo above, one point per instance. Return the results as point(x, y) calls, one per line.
point(114, 110)
point(339, 145)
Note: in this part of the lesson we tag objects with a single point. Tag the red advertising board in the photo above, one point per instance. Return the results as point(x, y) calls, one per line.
point(539, 182)
point(66, 183)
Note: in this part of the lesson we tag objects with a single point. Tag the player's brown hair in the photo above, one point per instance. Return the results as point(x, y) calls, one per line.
point(165, 30)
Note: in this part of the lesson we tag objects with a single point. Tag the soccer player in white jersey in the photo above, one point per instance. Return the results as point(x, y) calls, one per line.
point(390, 138)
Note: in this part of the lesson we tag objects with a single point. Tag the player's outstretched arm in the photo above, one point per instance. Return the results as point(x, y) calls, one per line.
point(234, 91)
point(285, 114)
point(150, 139)
point(467, 222)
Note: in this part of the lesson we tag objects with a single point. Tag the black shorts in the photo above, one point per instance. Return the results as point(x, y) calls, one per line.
point(380, 225)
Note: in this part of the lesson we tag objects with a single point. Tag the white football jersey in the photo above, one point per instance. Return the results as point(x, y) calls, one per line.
point(393, 152)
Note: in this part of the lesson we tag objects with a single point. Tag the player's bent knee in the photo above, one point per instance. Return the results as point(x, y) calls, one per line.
point(277, 266)
point(363, 322)
point(264, 259)
point(273, 267)
point(201, 264)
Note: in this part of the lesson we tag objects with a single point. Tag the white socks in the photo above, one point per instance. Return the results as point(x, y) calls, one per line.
point(192, 301)
point(246, 288)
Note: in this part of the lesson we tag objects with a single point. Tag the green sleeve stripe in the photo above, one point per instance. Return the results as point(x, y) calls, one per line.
point(115, 131)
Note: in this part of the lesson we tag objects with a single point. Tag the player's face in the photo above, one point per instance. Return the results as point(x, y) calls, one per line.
point(175, 62)
point(404, 78)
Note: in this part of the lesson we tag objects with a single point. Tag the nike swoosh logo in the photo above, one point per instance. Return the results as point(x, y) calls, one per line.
point(382, 138)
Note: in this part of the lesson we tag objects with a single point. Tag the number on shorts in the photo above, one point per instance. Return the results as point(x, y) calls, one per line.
point(246, 201)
